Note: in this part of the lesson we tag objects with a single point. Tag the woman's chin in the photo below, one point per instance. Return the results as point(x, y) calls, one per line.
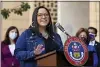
point(43, 25)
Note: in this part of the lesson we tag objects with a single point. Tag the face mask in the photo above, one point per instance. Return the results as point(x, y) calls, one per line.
point(83, 39)
point(12, 35)
point(91, 35)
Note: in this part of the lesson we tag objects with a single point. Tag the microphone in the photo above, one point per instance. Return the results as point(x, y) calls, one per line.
point(62, 29)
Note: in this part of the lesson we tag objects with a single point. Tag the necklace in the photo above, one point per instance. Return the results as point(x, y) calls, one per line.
point(45, 35)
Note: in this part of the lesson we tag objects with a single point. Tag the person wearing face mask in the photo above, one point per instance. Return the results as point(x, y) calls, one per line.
point(82, 34)
point(94, 46)
point(38, 39)
point(7, 48)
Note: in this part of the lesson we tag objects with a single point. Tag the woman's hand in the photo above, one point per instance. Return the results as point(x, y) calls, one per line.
point(38, 50)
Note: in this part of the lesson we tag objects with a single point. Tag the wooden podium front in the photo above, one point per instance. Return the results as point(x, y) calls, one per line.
point(48, 59)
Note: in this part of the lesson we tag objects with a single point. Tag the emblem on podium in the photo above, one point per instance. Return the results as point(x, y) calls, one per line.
point(75, 51)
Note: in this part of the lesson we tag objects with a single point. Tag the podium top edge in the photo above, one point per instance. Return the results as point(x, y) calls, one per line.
point(44, 55)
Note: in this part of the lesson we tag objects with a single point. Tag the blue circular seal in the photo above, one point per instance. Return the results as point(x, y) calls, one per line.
point(75, 51)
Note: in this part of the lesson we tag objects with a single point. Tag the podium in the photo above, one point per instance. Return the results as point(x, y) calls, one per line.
point(52, 59)
point(55, 59)
point(48, 59)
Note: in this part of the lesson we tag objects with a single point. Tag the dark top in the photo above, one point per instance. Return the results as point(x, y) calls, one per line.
point(50, 44)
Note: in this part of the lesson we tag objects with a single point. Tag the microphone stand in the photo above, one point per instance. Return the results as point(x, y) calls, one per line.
point(68, 36)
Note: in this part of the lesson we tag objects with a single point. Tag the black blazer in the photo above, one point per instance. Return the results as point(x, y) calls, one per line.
point(97, 47)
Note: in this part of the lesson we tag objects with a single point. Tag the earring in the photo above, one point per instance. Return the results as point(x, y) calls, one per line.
point(32, 25)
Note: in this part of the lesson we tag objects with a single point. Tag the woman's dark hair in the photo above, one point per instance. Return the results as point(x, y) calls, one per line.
point(83, 30)
point(35, 26)
point(7, 39)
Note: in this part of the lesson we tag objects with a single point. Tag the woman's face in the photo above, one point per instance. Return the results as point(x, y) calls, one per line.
point(13, 34)
point(42, 17)
point(83, 36)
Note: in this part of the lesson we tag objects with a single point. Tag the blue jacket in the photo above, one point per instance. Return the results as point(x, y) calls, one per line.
point(25, 46)
point(96, 53)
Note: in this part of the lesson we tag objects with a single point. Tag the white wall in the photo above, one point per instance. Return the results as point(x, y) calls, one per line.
point(0, 21)
point(72, 16)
